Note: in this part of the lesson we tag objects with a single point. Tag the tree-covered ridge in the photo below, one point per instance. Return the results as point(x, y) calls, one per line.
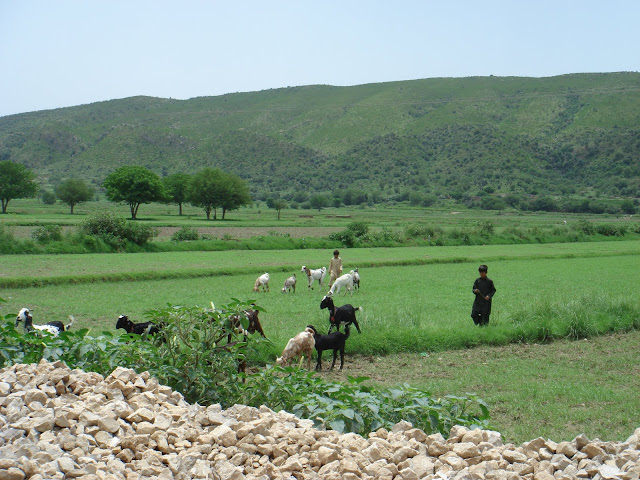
point(571, 133)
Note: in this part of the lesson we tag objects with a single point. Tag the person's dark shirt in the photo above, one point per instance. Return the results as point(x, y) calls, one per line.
point(486, 287)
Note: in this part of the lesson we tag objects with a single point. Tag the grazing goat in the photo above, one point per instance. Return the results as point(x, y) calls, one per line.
point(290, 284)
point(128, 326)
point(262, 281)
point(334, 341)
point(345, 280)
point(313, 275)
point(54, 327)
point(299, 346)
point(344, 315)
point(356, 279)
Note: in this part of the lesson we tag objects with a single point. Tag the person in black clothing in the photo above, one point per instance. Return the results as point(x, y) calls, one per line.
point(484, 290)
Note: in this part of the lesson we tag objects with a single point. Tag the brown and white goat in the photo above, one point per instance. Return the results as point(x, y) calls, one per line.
point(313, 275)
point(290, 284)
point(299, 346)
point(262, 281)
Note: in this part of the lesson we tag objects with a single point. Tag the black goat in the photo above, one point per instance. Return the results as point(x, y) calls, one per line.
point(344, 315)
point(54, 327)
point(334, 341)
point(137, 328)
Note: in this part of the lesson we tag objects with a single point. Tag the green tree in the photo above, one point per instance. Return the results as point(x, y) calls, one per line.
point(16, 181)
point(73, 191)
point(177, 188)
point(206, 190)
point(134, 185)
point(278, 204)
point(48, 197)
point(236, 193)
point(318, 201)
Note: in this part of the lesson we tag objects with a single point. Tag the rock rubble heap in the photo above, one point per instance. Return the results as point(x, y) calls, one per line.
point(57, 423)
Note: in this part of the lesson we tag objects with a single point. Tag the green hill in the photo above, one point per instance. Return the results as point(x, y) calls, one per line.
point(574, 133)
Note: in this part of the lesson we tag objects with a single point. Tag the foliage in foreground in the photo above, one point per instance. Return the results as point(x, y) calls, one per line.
point(197, 353)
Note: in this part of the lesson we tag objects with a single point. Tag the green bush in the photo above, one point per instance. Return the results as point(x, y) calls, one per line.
point(47, 233)
point(116, 231)
point(185, 234)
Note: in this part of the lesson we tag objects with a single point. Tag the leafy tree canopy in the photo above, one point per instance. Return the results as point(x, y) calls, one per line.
point(74, 191)
point(236, 193)
point(177, 188)
point(16, 181)
point(206, 190)
point(134, 185)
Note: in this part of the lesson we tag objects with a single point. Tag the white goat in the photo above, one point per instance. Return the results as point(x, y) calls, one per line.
point(313, 275)
point(299, 346)
point(345, 280)
point(356, 279)
point(262, 281)
point(54, 327)
point(290, 284)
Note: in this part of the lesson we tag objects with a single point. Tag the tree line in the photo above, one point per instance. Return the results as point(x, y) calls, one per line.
point(210, 189)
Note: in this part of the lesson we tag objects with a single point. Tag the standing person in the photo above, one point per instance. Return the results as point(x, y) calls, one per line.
point(484, 290)
point(335, 267)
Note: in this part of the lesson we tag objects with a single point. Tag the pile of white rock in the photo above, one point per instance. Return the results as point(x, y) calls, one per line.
point(57, 423)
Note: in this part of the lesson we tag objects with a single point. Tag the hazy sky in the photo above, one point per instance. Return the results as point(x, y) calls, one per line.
point(59, 53)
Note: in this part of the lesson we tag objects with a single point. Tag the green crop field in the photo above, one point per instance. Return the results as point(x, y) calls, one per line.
point(558, 333)
point(419, 297)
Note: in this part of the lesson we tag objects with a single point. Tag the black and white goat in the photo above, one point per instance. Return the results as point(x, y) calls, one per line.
point(54, 327)
point(344, 315)
point(128, 326)
point(356, 278)
point(333, 341)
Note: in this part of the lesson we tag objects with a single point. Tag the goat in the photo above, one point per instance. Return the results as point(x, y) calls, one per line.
point(254, 324)
point(290, 284)
point(356, 278)
point(128, 326)
point(262, 281)
point(313, 275)
point(334, 341)
point(344, 315)
point(54, 327)
point(299, 346)
point(253, 327)
point(345, 280)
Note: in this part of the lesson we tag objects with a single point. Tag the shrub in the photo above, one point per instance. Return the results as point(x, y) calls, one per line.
point(47, 233)
point(354, 233)
point(185, 234)
point(116, 231)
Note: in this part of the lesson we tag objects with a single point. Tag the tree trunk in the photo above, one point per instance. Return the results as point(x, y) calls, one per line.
point(71, 205)
point(5, 202)
point(180, 209)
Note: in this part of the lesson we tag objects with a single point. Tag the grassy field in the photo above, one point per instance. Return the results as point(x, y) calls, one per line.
point(416, 324)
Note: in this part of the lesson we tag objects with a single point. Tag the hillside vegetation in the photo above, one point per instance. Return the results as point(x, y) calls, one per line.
point(570, 134)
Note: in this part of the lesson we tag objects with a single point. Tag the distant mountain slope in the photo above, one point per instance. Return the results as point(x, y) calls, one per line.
point(576, 132)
